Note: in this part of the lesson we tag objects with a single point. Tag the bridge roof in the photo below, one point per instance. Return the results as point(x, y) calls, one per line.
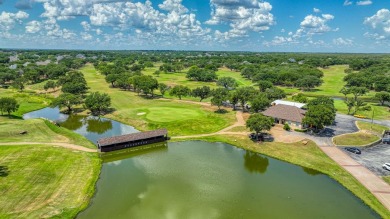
point(131, 137)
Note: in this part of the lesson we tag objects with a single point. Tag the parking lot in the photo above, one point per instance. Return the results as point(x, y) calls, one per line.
point(373, 158)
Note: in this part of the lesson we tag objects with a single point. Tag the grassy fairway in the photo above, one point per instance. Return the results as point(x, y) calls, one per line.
point(44, 181)
point(145, 114)
point(377, 129)
point(333, 81)
point(38, 131)
point(308, 156)
point(355, 139)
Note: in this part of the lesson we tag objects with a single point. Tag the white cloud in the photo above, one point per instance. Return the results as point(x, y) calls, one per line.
point(33, 26)
point(8, 20)
point(343, 42)
point(242, 16)
point(347, 2)
point(173, 5)
point(86, 36)
point(312, 24)
point(380, 24)
point(316, 10)
point(364, 3)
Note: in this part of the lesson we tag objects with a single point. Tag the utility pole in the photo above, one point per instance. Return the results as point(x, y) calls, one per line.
point(372, 119)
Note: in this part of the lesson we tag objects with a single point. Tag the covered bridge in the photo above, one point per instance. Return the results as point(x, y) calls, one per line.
point(132, 140)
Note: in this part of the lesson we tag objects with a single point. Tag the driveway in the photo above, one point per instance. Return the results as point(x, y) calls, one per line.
point(373, 158)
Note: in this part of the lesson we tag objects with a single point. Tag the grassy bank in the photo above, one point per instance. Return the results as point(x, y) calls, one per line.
point(377, 129)
point(145, 114)
point(45, 182)
point(309, 156)
point(355, 139)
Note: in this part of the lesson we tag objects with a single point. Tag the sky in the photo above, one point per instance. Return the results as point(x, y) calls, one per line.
point(356, 26)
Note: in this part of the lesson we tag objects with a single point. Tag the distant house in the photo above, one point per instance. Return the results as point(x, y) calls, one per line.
point(286, 112)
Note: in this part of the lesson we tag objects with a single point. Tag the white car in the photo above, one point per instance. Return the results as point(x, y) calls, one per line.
point(386, 166)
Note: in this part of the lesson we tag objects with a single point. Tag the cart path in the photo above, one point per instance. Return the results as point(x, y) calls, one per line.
point(240, 122)
point(64, 145)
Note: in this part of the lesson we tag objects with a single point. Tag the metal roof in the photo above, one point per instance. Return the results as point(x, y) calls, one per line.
point(289, 103)
point(131, 137)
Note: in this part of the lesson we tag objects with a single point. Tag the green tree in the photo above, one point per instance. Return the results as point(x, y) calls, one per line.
point(345, 91)
point(275, 93)
point(98, 103)
point(227, 82)
point(219, 96)
point(202, 92)
point(382, 97)
point(67, 100)
point(350, 102)
point(308, 82)
point(358, 91)
point(50, 84)
point(244, 95)
point(234, 99)
point(9, 105)
point(321, 112)
point(19, 83)
point(157, 73)
point(180, 91)
point(259, 103)
point(163, 88)
point(258, 122)
point(264, 85)
point(112, 78)
point(300, 98)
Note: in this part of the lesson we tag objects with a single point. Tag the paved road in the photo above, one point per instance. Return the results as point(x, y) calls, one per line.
point(373, 158)
point(351, 118)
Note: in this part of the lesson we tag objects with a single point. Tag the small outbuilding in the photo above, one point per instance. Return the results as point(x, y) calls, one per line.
point(132, 140)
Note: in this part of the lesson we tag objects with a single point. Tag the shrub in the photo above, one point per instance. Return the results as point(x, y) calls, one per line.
point(286, 127)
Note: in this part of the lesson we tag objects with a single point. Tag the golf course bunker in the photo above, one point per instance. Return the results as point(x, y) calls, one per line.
point(214, 180)
point(168, 114)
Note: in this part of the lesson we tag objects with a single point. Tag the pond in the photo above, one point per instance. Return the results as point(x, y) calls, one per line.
point(196, 179)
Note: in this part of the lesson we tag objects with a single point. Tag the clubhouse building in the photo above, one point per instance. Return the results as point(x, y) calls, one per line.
point(288, 112)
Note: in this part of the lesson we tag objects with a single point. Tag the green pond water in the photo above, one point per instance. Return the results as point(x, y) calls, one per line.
point(196, 179)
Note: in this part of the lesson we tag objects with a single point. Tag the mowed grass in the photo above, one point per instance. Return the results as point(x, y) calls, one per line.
point(38, 130)
point(145, 114)
point(377, 129)
point(45, 182)
point(380, 112)
point(355, 139)
point(308, 156)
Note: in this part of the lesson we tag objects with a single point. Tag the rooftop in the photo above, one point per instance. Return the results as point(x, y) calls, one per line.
point(286, 112)
point(289, 103)
point(131, 137)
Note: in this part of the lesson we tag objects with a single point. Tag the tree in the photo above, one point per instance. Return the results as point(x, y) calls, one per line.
point(264, 85)
point(275, 93)
point(67, 100)
point(19, 83)
point(74, 88)
point(258, 122)
point(350, 102)
point(227, 82)
point(157, 73)
point(199, 74)
point(180, 91)
point(50, 84)
point(145, 83)
point(219, 96)
point(244, 95)
point(98, 103)
point(382, 97)
point(260, 103)
point(321, 112)
point(202, 92)
point(112, 78)
point(234, 99)
point(359, 104)
point(300, 98)
point(163, 88)
point(358, 91)
point(345, 91)
point(8, 104)
point(308, 82)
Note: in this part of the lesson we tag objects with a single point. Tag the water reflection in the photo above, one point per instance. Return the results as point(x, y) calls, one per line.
point(98, 125)
point(133, 152)
point(311, 172)
point(255, 163)
point(73, 122)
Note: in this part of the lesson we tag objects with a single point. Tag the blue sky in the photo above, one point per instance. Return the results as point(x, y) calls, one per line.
point(237, 25)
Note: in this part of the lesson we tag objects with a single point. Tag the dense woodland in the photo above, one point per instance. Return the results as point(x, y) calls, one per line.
point(123, 70)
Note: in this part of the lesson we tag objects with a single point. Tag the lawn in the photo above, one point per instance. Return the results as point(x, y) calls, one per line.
point(145, 114)
point(308, 156)
point(45, 182)
point(355, 139)
point(380, 112)
point(38, 130)
point(377, 129)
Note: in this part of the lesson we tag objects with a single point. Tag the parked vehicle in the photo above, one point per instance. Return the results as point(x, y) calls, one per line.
point(386, 166)
point(261, 137)
point(386, 137)
point(353, 150)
